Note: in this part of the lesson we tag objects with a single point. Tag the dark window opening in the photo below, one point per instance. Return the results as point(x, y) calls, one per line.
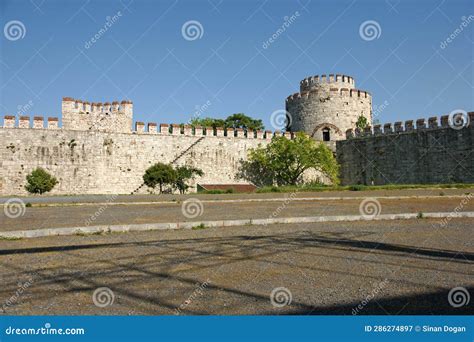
point(326, 135)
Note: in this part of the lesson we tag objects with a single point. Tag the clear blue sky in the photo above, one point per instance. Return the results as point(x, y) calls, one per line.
point(144, 57)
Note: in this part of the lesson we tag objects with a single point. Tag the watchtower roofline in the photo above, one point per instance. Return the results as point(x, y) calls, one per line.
point(112, 116)
point(72, 105)
point(326, 81)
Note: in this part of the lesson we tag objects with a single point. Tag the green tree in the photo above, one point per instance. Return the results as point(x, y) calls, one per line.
point(183, 174)
point(362, 122)
point(208, 122)
point(284, 161)
point(159, 174)
point(40, 181)
point(240, 120)
point(255, 169)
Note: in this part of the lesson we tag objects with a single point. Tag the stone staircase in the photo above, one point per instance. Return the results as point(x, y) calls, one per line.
point(188, 149)
point(174, 160)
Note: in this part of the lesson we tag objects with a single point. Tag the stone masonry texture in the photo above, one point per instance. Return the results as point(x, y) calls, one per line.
point(92, 162)
point(97, 152)
point(439, 154)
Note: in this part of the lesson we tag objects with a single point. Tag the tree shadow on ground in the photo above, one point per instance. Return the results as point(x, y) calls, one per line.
point(89, 263)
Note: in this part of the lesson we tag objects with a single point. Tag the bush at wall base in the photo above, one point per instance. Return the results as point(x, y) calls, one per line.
point(40, 181)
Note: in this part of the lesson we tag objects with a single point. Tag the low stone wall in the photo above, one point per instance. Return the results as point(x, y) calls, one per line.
point(405, 154)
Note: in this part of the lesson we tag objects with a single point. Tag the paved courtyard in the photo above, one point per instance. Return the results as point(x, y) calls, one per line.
point(367, 267)
point(211, 208)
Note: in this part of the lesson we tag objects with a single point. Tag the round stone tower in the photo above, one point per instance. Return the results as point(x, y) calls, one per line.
point(326, 107)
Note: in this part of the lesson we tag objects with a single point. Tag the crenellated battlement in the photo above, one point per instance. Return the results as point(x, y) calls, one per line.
point(117, 117)
point(79, 106)
point(198, 131)
point(331, 92)
point(112, 116)
point(151, 128)
point(24, 121)
point(409, 126)
point(321, 81)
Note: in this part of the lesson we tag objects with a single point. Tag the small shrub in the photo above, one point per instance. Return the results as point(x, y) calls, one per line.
point(199, 227)
point(81, 233)
point(28, 205)
point(362, 122)
point(40, 181)
point(357, 187)
point(8, 238)
point(420, 215)
point(218, 191)
point(212, 192)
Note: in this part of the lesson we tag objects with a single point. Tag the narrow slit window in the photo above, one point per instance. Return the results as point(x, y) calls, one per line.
point(326, 134)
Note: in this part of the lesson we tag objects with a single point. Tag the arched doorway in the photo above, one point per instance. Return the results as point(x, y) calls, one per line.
point(328, 132)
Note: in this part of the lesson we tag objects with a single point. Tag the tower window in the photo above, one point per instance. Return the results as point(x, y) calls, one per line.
point(326, 135)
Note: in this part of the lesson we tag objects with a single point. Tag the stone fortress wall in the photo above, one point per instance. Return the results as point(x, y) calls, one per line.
point(433, 152)
point(96, 151)
point(88, 156)
point(329, 104)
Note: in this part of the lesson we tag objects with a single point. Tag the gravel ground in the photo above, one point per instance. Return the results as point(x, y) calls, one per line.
point(170, 197)
point(73, 216)
point(400, 267)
